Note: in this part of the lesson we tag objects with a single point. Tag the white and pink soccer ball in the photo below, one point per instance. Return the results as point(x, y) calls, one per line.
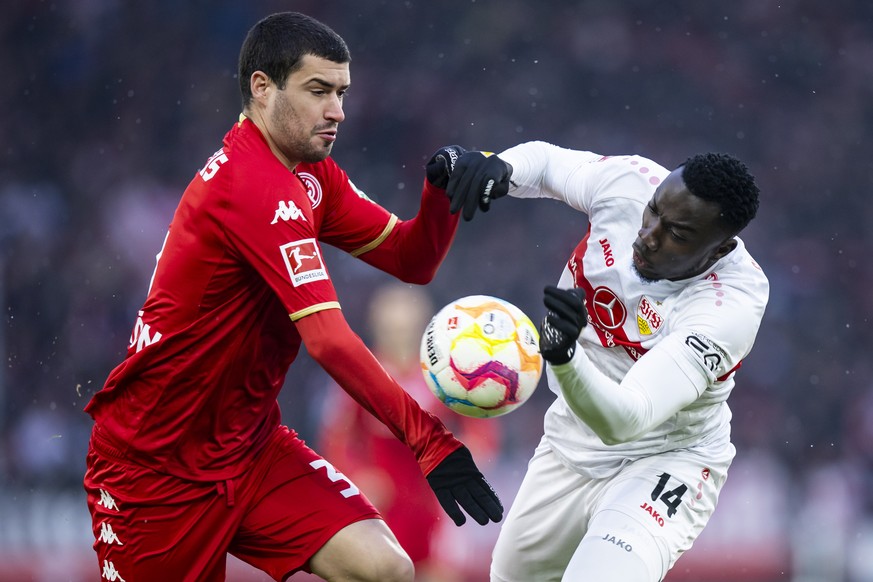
point(480, 356)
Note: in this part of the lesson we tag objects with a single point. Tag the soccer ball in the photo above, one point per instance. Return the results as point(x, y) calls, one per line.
point(480, 356)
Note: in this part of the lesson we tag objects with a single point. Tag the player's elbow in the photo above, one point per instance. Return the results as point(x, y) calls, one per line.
point(616, 436)
point(610, 426)
point(418, 276)
point(324, 349)
point(421, 280)
point(625, 429)
point(613, 431)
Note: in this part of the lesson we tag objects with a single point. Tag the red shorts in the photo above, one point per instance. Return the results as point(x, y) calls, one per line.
point(275, 516)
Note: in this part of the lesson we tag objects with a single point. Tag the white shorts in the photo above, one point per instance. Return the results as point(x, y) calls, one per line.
point(649, 513)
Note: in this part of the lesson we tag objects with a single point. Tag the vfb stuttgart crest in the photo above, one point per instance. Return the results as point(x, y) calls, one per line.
point(649, 319)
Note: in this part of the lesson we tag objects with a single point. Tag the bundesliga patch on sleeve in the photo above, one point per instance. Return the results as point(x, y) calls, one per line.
point(303, 260)
point(358, 191)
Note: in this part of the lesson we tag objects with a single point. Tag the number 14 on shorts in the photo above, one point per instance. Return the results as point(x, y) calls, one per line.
point(672, 498)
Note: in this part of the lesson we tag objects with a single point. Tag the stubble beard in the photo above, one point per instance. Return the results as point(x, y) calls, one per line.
point(296, 143)
point(643, 279)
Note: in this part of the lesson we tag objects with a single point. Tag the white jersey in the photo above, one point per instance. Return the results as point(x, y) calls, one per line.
point(716, 314)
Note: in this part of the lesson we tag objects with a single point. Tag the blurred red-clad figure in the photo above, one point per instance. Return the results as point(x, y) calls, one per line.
point(383, 467)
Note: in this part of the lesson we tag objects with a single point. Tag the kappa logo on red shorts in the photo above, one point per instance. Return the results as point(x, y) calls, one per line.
point(303, 260)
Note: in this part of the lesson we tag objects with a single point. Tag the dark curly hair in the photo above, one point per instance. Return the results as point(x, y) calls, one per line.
point(725, 180)
point(277, 44)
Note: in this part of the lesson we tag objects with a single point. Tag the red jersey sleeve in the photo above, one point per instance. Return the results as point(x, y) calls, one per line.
point(411, 250)
point(343, 355)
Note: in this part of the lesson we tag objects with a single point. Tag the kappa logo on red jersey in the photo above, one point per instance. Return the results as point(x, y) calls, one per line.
point(303, 260)
point(608, 310)
point(313, 188)
point(288, 211)
point(648, 319)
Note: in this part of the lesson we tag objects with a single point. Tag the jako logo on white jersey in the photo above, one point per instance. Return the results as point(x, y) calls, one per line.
point(288, 211)
point(607, 252)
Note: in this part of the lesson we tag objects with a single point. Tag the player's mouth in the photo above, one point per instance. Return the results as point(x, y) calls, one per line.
point(640, 260)
point(328, 135)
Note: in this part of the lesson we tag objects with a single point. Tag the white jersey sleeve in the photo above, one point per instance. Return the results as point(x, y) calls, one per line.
point(543, 170)
point(723, 337)
point(660, 384)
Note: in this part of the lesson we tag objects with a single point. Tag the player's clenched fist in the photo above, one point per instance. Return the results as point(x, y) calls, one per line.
point(563, 323)
point(441, 165)
point(478, 178)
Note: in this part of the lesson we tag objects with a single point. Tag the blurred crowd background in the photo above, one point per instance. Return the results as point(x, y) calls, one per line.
point(109, 108)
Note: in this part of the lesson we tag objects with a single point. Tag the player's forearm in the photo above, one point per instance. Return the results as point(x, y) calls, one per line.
point(614, 415)
point(415, 249)
point(347, 360)
point(619, 413)
point(543, 170)
point(358, 372)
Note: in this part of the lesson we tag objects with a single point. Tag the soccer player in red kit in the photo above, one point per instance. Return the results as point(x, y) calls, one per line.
point(188, 458)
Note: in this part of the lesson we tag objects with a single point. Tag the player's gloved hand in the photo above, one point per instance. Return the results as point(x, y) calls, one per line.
point(440, 166)
point(563, 323)
point(478, 178)
point(457, 481)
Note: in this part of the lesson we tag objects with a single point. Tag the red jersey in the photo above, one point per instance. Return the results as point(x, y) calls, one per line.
point(196, 394)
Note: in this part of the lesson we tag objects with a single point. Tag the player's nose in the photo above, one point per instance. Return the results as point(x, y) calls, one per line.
point(334, 111)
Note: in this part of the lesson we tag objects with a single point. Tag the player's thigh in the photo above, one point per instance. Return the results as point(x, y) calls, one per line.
point(666, 501)
point(299, 502)
point(364, 550)
point(616, 548)
point(544, 525)
point(147, 525)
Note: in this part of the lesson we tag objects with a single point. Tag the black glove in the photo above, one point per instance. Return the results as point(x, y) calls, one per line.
point(563, 323)
point(441, 164)
point(457, 481)
point(476, 181)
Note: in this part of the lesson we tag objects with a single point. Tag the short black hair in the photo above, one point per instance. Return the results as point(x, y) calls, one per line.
point(725, 180)
point(276, 46)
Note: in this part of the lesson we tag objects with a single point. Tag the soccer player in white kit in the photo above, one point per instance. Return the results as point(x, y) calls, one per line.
point(652, 316)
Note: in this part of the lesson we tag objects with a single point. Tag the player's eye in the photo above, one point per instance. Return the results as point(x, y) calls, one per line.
point(677, 236)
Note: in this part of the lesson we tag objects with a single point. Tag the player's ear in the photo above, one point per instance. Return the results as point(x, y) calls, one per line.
point(260, 84)
point(725, 248)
